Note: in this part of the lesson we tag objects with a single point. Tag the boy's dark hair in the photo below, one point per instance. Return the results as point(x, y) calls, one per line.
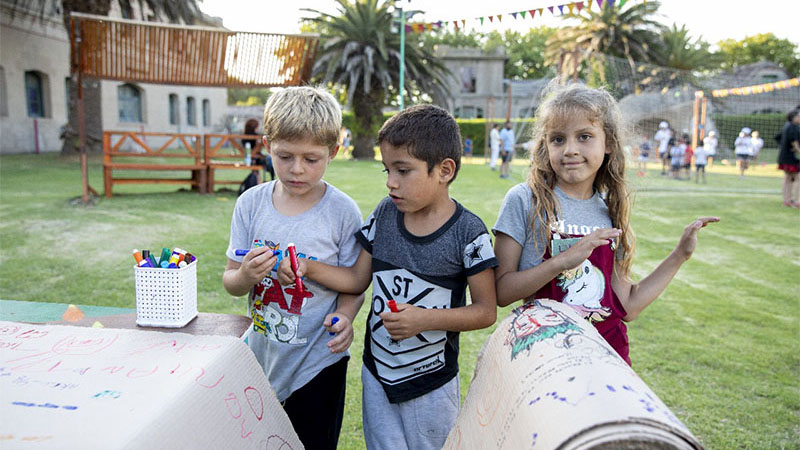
point(792, 114)
point(428, 132)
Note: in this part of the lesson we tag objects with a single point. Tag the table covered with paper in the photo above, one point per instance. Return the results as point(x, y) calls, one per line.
point(91, 388)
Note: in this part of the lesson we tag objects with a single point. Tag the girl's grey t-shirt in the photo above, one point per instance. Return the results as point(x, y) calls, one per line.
point(577, 218)
point(288, 338)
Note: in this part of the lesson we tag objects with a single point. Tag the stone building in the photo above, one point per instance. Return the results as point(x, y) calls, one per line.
point(34, 69)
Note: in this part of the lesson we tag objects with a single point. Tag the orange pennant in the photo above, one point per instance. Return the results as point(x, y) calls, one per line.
point(499, 17)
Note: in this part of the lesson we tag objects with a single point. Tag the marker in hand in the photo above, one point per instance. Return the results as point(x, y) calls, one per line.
point(244, 251)
point(333, 322)
point(393, 306)
point(293, 259)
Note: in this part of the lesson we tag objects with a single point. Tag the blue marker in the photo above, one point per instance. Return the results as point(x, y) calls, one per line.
point(244, 251)
point(333, 322)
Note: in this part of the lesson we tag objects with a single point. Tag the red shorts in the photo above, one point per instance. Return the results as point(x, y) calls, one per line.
point(789, 168)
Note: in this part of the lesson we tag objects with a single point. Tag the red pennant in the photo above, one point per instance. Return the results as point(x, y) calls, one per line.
point(579, 5)
point(532, 11)
point(491, 18)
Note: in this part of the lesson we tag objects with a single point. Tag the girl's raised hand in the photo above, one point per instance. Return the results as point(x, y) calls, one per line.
point(688, 241)
point(581, 251)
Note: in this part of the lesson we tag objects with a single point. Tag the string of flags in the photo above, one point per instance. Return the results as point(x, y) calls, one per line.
point(564, 9)
point(757, 89)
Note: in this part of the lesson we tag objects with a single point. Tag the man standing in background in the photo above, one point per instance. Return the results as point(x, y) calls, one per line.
point(507, 141)
point(494, 144)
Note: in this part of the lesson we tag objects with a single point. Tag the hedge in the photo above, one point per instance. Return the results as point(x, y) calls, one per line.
point(474, 128)
point(729, 126)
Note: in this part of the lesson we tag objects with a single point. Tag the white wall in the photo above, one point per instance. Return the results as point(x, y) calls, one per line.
point(27, 44)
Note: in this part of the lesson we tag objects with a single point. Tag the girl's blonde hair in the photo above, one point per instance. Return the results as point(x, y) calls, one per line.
point(562, 103)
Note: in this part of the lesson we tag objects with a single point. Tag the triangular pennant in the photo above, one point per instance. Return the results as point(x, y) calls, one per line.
point(499, 17)
point(455, 24)
point(481, 20)
point(588, 4)
point(610, 3)
point(429, 27)
point(420, 27)
point(571, 6)
point(514, 15)
point(532, 11)
point(409, 29)
point(491, 18)
point(600, 4)
point(561, 9)
point(522, 13)
point(551, 9)
point(540, 11)
point(439, 24)
point(621, 3)
point(579, 5)
point(464, 23)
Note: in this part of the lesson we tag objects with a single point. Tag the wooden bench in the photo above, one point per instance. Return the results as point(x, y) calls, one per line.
point(189, 148)
point(226, 152)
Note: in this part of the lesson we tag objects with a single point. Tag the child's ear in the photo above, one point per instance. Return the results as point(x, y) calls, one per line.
point(332, 153)
point(266, 143)
point(447, 170)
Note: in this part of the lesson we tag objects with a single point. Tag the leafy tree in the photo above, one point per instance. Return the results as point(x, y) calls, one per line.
point(362, 55)
point(679, 51)
point(471, 39)
point(761, 47)
point(526, 52)
point(248, 96)
point(629, 33)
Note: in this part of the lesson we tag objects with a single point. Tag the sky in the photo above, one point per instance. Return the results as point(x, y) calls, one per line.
point(714, 20)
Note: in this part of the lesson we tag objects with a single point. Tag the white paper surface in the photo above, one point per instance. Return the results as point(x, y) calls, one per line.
point(546, 379)
point(64, 387)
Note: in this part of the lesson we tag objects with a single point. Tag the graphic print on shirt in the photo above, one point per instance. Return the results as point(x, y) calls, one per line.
point(398, 361)
point(585, 286)
point(276, 311)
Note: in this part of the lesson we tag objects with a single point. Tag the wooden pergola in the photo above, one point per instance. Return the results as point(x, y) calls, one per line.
point(134, 51)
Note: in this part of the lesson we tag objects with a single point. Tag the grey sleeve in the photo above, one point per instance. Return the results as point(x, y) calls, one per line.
point(351, 223)
point(513, 218)
point(239, 225)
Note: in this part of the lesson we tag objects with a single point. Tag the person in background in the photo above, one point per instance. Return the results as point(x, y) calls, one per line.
point(757, 144)
point(494, 144)
point(644, 155)
point(662, 136)
point(789, 159)
point(710, 143)
point(263, 160)
point(675, 158)
point(507, 142)
point(743, 148)
point(688, 154)
point(700, 160)
point(468, 147)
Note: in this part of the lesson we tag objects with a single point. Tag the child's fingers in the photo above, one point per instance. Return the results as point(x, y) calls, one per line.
point(706, 220)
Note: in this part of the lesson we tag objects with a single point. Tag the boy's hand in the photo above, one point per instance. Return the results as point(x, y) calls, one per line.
point(286, 275)
point(344, 332)
point(405, 323)
point(257, 263)
point(688, 241)
point(581, 251)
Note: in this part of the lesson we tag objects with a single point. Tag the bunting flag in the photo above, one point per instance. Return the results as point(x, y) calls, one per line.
point(757, 89)
point(571, 6)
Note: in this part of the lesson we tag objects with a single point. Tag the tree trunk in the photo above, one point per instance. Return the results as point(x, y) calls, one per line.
point(92, 112)
point(368, 111)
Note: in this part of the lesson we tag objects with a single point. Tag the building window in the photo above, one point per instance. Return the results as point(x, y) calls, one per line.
point(467, 80)
point(129, 101)
point(3, 95)
point(191, 116)
point(34, 94)
point(206, 113)
point(479, 114)
point(173, 109)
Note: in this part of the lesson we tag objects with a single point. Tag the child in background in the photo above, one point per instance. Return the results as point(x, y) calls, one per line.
point(644, 155)
point(743, 148)
point(710, 142)
point(662, 136)
point(700, 160)
point(688, 153)
point(421, 249)
point(468, 147)
point(565, 234)
point(305, 365)
point(676, 158)
point(757, 144)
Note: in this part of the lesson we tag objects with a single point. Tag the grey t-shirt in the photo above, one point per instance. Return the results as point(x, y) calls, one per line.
point(428, 272)
point(576, 218)
point(288, 338)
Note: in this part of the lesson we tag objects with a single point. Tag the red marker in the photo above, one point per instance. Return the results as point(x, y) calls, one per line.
point(393, 305)
point(293, 259)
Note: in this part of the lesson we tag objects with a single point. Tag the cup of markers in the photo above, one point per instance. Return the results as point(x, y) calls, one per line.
point(166, 288)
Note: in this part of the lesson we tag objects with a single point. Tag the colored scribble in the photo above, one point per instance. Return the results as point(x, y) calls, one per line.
point(534, 322)
point(47, 405)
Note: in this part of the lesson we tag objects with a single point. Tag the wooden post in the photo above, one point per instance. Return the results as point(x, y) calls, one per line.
point(695, 117)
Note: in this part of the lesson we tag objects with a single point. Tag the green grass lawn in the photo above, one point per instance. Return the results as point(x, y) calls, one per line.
point(721, 346)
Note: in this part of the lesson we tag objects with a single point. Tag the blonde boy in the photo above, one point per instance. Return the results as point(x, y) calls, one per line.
point(304, 364)
point(421, 249)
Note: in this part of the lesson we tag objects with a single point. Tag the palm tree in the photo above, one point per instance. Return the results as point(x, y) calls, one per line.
point(679, 52)
point(362, 55)
point(631, 34)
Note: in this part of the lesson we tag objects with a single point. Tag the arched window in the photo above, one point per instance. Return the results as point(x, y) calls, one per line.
point(34, 94)
point(206, 113)
point(129, 101)
point(173, 109)
point(191, 114)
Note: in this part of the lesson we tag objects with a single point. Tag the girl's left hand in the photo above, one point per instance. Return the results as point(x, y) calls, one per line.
point(344, 332)
point(688, 241)
point(404, 323)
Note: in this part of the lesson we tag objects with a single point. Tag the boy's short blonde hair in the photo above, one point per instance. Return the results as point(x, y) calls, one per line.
point(300, 113)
